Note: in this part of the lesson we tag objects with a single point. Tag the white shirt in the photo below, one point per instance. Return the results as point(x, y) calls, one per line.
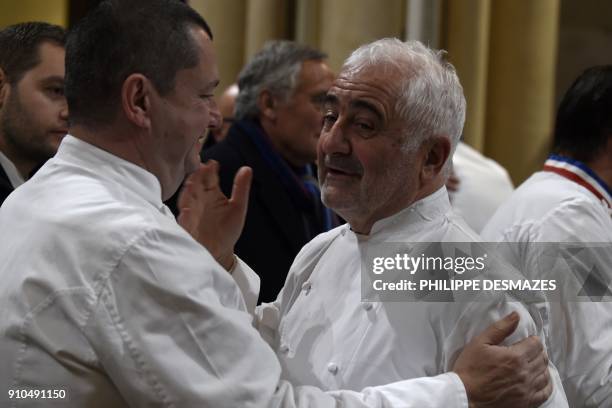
point(11, 171)
point(105, 297)
point(325, 336)
point(483, 186)
point(551, 208)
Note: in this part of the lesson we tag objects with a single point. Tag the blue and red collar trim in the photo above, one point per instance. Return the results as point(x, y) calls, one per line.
point(580, 173)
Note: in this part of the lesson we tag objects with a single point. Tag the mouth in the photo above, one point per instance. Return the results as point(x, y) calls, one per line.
point(338, 173)
point(340, 168)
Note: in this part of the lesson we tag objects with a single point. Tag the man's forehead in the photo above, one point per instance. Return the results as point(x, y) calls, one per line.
point(314, 74)
point(50, 62)
point(351, 85)
point(206, 70)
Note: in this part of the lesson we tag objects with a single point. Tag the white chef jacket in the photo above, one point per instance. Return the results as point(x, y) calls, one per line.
point(484, 185)
point(551, 208)
point(325, 336)
point(105, 297)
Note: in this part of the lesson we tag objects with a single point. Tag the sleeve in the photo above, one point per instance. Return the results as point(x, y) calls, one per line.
point(443, 391)
point(467, 327)
point(168, 331)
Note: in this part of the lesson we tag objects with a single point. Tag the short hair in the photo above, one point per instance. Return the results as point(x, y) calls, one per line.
point(275, 68)
point(122, 37)
point(430, 96)
point(584, 118)
point(20, 46)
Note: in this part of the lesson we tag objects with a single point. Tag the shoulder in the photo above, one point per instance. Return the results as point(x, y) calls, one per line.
point(549, 207)
point(313, 250)
point(321, 241)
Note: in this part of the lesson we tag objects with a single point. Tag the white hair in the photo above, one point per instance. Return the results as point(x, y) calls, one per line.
point(430, 97)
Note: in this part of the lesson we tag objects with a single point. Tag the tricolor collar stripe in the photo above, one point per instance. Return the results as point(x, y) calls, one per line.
point(582, 170)
point(585, 169)
point(581, 174)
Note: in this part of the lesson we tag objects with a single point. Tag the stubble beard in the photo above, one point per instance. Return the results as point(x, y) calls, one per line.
point(23, 139)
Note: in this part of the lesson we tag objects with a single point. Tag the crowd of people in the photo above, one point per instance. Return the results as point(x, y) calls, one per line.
point(160, 249)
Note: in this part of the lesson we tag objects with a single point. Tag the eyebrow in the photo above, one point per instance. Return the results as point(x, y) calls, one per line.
point(53, 78)
point(331, 99)
point(212, 84)
point(361, 104)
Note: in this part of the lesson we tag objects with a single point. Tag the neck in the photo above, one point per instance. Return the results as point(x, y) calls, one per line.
point(602, 166)
point(109, 140)
point(363, 224)
point(286, 154)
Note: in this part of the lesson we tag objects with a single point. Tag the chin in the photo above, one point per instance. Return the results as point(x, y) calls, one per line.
point(55, 143)
point(334, 199)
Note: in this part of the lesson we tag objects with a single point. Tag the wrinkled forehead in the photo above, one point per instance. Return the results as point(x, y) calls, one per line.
point(379, 85)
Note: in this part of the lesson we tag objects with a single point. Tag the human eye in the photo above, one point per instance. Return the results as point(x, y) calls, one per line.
point(55, 91)
point(329, 118)
point(364, 127)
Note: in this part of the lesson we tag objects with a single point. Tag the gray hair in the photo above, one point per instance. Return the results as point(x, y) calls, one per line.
point(430, 98)
point(275, 68)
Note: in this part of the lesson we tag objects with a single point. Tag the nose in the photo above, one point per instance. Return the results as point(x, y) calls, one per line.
point(63, 113)
point(216, 119)
point(334, 140)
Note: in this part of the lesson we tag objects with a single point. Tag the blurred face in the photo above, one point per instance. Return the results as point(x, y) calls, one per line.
point(227, 102)
point(296, 130)
point(34, 112)
point(181, 118)
point(364, 172)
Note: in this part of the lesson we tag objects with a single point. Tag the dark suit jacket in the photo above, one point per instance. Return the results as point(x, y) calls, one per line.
point(6, 187)
point(275, 229)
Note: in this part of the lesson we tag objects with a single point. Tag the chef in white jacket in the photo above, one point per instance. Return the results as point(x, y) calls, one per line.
point(391, 122)
point(570, 201)
point(106, 301)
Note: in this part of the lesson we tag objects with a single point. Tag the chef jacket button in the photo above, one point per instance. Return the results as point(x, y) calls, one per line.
point(284, 348)
point(343, 232)
point(306, 286)
point(367, 305)
point(332, 368)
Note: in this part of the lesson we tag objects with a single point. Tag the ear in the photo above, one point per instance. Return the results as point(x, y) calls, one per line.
point(4, 88)
point(266, 102)
point(136, 100)
point(438, 150)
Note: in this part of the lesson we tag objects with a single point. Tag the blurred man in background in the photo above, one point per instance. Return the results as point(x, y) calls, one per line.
point(227, 103)
point(33, 109)
point(477, 186)
point(278, 121)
